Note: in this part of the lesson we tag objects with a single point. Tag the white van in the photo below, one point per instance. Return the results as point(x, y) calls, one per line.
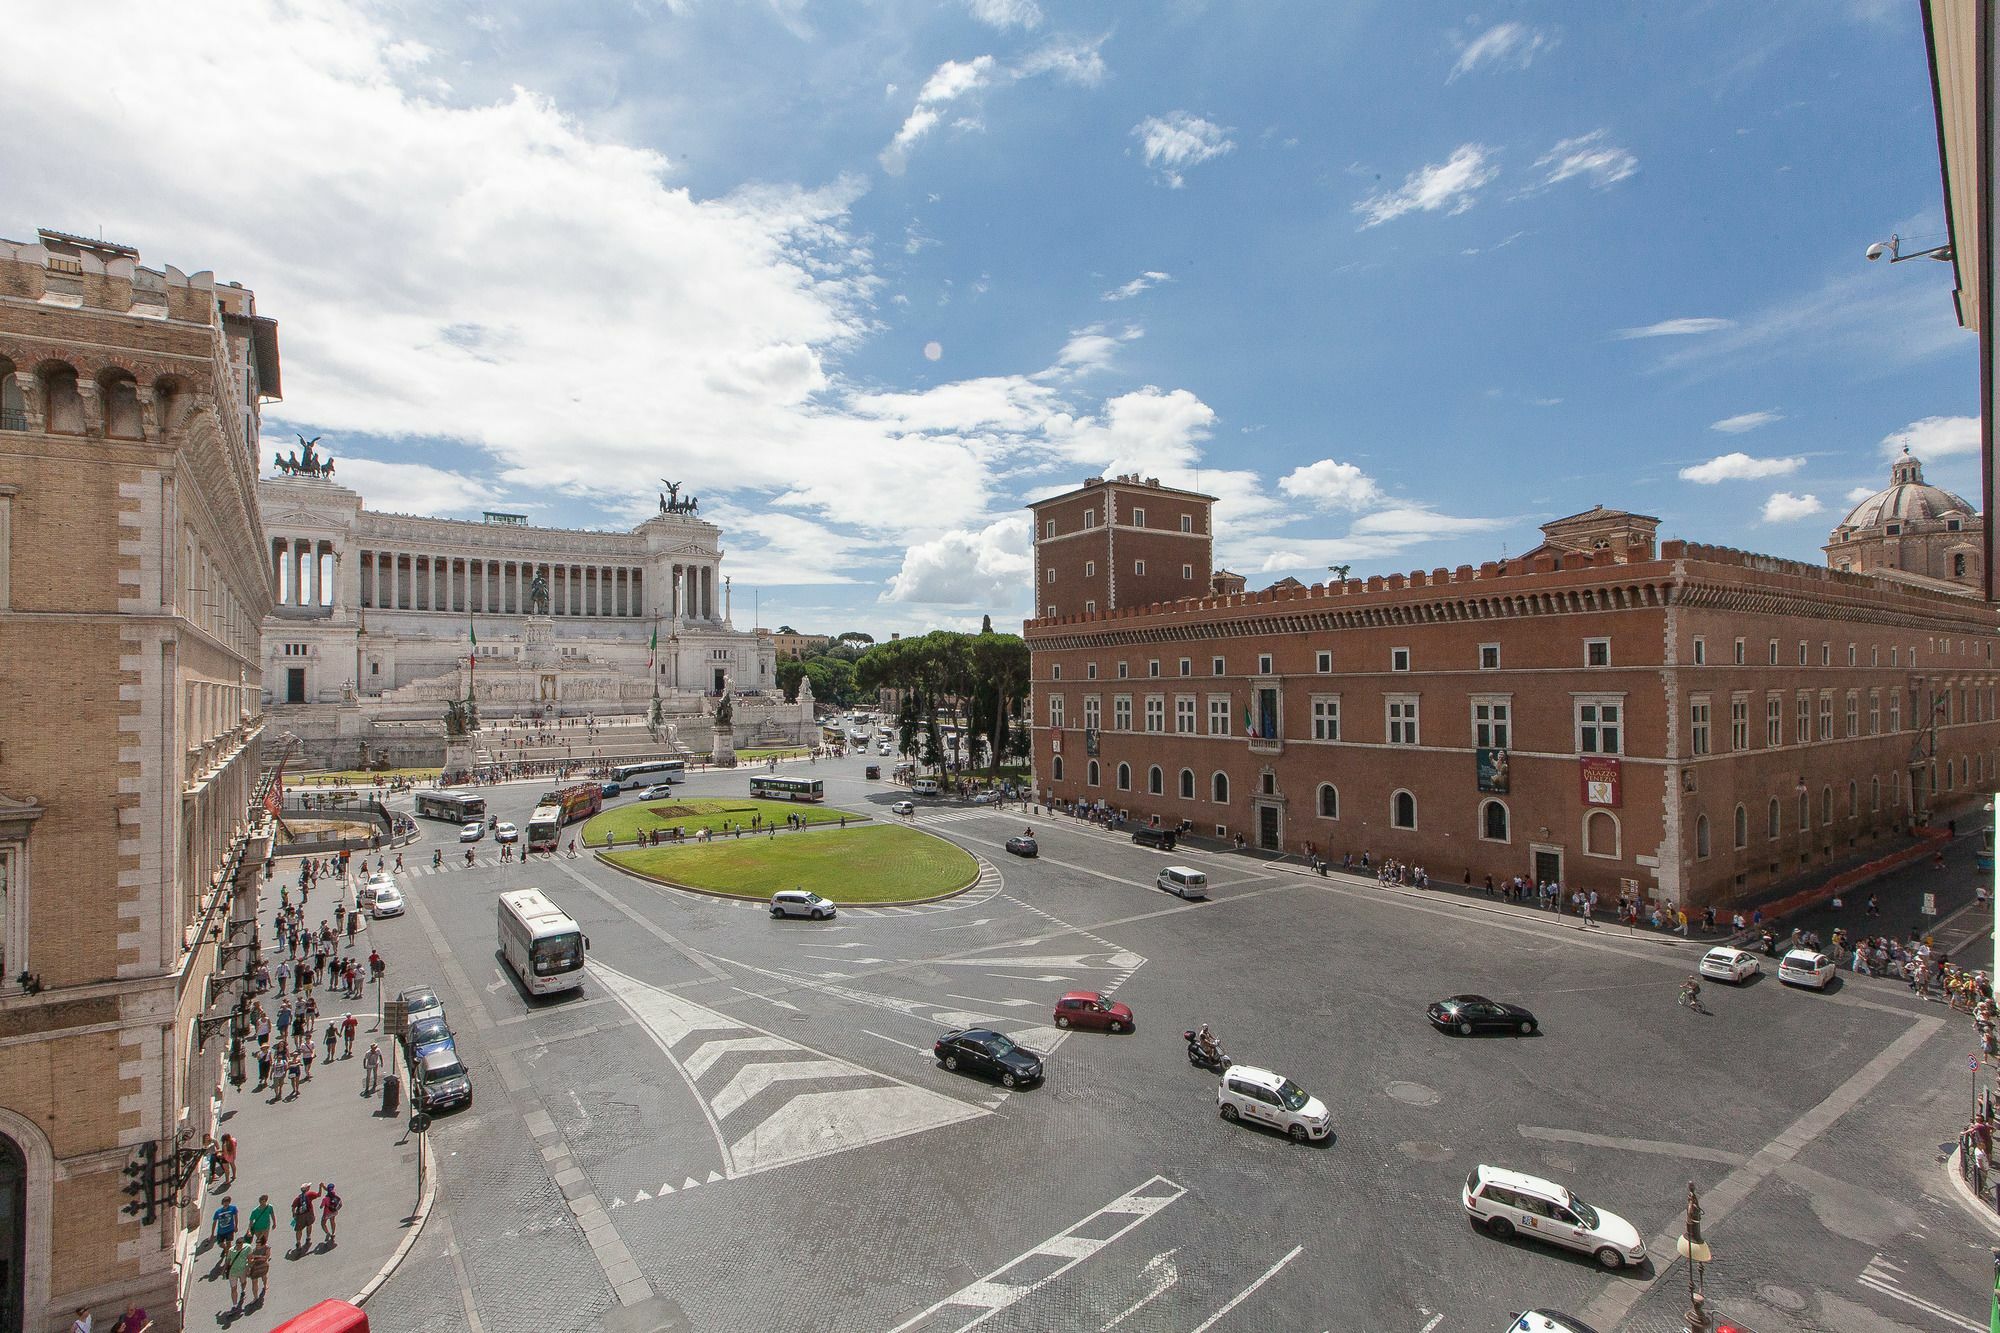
point(925, 787)
point(1183, 881)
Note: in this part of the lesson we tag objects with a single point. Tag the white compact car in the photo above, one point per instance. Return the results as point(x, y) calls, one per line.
point(505, 832)
point(1272, 1100)
point(388, 901)
point(1505, 1202)
point(1806, 967)
point(801, 902)
point(903, 808)
point(659, 791)
point(472, 832)
point(1726, 964)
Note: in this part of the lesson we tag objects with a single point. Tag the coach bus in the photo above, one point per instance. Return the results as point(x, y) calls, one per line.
point(454, 807)
point(579, 801)
point(654, 770)
point(545, 828)
point(788, 789)
point(540, 942)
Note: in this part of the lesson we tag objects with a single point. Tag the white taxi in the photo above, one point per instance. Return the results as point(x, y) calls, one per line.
point(1726, 964)
point(1272, 1100)
point(1505, 1202)
point(388, 900)
point(1806, 967)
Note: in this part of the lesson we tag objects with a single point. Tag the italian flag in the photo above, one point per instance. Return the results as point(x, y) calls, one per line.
point(653, 649)
point(471, 633)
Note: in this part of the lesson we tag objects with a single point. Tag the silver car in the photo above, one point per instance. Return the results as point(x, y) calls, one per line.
point(801, 902)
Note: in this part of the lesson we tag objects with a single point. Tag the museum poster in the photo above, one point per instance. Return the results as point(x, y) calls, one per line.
point(1600, 780)
point(1492, 770)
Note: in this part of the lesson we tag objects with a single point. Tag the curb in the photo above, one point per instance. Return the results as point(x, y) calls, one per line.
point(416, 1229)
point(1962, 1191)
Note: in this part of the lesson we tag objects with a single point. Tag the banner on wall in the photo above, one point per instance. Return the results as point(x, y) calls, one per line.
point(1601, 784)
point(1492, 767)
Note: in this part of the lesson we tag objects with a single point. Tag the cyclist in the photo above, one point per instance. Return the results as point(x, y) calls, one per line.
point(1691, 993)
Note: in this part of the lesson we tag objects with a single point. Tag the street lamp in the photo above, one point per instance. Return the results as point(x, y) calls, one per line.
point(1893, 248)
point(1695, 1250)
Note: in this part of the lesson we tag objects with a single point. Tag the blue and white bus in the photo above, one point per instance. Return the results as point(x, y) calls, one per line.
point(788, 789)
point(541, 943)
point(653, 770)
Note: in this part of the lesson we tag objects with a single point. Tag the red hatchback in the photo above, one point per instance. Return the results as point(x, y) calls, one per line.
point(1088, 1009)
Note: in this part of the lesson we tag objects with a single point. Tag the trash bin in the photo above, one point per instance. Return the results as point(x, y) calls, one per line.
point(392, 1094)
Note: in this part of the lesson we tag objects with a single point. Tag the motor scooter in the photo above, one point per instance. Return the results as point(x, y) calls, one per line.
point(1201, 1059)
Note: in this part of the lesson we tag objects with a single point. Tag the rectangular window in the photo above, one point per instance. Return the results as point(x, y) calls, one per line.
point(1090, 670)
point(1121, 712)
point(1826, 654)
point(1874, 712)
point(1138, 568)
point(1874, 655)
point(1739, 723)
point(1802, 652)
point(1090, 569)
point(1399, 659)
point(1326, 718)
point(1896, 655)
point(1122, 671)
point(1184, 714)
point(1049, 528)
point(1599, 726)
point(1895, 710)
point(1187, 571)
point(1489, 657)
point(1090, 606)
point(1051, 577)
point(1774, 652)
point(1090, 518)
point(1850, 654)
point(1853, 713)
point(1218, 715)
point(1056, 711)
point(1055, 671)
point(1739, 652)
point(1774, 721)
point(1187, 666)
point(1323, 662)
point(1215, 667)
point(1700, 651)
point(1698, 726)
point(1263, 664)
point(1187, 523)
point(1802, 728)
point(1826, 717)
point(1156, 712)
point(1138, 518)
point(1597, 652)
point(1491, 724)
point(1402, 711)
point(1093, 712)
point(1153, 668)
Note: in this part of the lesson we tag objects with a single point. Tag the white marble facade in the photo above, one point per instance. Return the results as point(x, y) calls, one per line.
point(377, 608)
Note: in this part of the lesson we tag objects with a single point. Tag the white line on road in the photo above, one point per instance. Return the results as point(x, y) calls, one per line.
point(1245, 1294)
point(1165, 1275)
point(1936, 1310)
point(921, 1050)
point(782, 1004)
point(966, 925)
point(1691, 1151)
point(1011, 1004)
point(1436, 1319)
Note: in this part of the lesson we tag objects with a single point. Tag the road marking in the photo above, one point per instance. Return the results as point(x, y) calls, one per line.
point(991, 1294)
point(1436, 1319)
point(966, 925)
point(767, 999)
point(644, 923)
point(1011, 1004)
point(1879, 1276)
point(1691, 1151)
point(1165, 1274)
point(1245, 1294)
point(920, 1050)
point(1609, 1308)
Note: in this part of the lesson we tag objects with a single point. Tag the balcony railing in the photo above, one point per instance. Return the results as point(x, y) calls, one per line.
point(13, 419)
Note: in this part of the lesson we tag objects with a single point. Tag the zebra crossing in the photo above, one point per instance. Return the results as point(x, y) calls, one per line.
point(770, 1101)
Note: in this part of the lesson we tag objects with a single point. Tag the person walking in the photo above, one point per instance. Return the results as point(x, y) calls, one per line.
point(371, 1070)
point(303, 1218)
point(222, 1227)
point(329, 1211)
point(238, 1260)
point(262, 1218)
point(309, 1050)
point(83, 1323)
point(260, 1270)
point(332, 1039)
point(349, 1025)
point(134, 1320)
point(225, 1153)
point(293, 1071)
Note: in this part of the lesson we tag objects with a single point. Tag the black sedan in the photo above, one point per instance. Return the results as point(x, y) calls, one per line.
point(980, 1051)
point(1467, 1014)
point(1022, 845)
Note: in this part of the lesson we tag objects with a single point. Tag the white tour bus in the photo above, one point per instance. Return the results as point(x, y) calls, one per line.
point(540, 942)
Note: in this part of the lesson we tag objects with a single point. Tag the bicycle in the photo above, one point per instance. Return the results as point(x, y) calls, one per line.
point(1691, 996)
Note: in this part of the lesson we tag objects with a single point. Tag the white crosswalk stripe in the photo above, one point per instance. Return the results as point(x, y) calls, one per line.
point(770, 1101)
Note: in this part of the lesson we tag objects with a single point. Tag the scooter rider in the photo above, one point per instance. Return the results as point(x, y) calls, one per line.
point(1205, 1039)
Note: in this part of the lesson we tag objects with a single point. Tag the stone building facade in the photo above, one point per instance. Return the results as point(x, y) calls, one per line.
point(132, 588)
point(1698, 723)
point(375, 612)
point(1120, 542)
point(1914, 533)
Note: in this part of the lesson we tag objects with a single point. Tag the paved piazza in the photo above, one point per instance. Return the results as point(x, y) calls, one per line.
point(737, 1124)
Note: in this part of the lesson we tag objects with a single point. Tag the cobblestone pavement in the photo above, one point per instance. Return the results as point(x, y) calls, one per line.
point(737, 1122)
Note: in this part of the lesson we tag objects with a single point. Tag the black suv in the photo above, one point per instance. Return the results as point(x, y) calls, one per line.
point(1162, 838)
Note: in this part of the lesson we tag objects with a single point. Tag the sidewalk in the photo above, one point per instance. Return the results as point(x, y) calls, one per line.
point(330, 1133)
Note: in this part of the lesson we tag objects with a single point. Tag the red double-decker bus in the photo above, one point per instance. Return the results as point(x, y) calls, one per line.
point(579, 801)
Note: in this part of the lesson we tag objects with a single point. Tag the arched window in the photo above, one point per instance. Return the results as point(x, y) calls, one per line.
point(1329, 801)
point(1853, 795)
point(1092, 778)
point(1219, 788)
point(1701, 837)
point(120, 396)
point(1742, 828)
point(1187, 784)
point(1805, 811)
point(1600, 833)
point(1124, 777)
point(1874, 794)
point(1826, 804)
point(1155, 781)
point(1493, 821)
point(1773, 820)
point(1958, 566)
point(62, 405)
point(13, 408)
point(1056, 772)
point(1403, 810)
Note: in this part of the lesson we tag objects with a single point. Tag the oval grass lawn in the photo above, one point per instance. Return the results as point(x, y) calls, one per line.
point(873, 863)
point(719, 814)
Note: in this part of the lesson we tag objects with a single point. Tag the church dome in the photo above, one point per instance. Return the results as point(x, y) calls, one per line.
point(1909, 499)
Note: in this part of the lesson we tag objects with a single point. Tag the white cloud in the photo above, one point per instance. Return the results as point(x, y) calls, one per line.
point(1143, 282)
point(1677, 328)
point(1331, 484)
point(987, 567)
point(1506, 43)
point(1934, 437)
point(951, 81)
point(1449, 186)
point(1864, 329)
point(1088, 350)
point(1148, 430)
point(1740, 467)
point(1784, 507)
point(1005, 14)
point(1178, 140)
point(413, 488)
point(1746, 421)
point(1588, 156)
point(1859, 493)
point(1080, 63)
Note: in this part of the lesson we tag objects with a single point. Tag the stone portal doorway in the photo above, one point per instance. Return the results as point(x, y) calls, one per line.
point(295, 685)
point(1548, 865)
point(721, 679)
point(1267, 827)
point(13, 1233)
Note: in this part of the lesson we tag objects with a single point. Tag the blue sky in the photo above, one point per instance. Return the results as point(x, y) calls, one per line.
point(1397, 282)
